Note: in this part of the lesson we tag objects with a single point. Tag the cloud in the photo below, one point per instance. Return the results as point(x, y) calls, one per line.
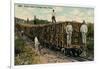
point(22, 12)
point(61, 18)
point(58, 9)
point(82, 14)
point(62, 13)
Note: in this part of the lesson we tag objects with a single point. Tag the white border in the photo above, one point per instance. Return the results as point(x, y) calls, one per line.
point(45, 66)
point(12, 35)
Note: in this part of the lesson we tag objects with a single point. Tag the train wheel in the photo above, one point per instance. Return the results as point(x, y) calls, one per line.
point(78, 52)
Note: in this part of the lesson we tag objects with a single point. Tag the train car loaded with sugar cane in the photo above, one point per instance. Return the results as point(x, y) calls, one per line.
point(54, 36)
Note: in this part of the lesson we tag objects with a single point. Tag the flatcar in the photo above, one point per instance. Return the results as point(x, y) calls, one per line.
point(53, 36)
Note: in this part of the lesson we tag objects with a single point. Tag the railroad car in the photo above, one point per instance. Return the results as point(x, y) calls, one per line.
point(53, 36)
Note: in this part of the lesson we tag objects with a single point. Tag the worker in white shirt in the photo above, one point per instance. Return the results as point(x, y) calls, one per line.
point(69, 30)
point(84, 30)
point(53, 16)
point(36, 44)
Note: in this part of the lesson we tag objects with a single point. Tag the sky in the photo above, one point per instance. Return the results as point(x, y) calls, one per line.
point(63, 13)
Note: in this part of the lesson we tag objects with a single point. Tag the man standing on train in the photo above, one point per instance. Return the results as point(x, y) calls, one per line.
point(53, 17)
point(69, 30)
point(84, 30)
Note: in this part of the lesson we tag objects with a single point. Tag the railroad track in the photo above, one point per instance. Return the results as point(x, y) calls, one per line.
point(81, 59)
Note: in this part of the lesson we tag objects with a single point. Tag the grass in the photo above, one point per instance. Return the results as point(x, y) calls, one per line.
point(26, 54)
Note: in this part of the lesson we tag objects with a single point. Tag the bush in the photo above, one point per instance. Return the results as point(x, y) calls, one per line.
point(90, 37)
point(25, 54)
point(90, 30)
point(27, 57)
point(19, 45)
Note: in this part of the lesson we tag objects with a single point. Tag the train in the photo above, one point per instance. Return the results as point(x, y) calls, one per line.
point(53, 36)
